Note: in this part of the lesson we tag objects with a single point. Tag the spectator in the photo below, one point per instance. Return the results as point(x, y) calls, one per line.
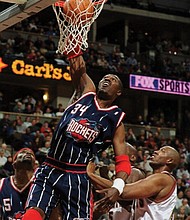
point(32, 26)
point(7, 153)
point(51, 30)
point(181, 185)
point(29, 100)
point(145, 164)
point(140, 156)
point(20, 128)
point(28, 109)
point(38, 42)
point(27, 139)
point(104, 158)
point(42, 152)
point(31, 55)
point(7, 169)
point(3, 159)
point(180, 195)
point(45, 129)
point(49, 42)
point(38, 111)
point(59, 111)
point(27, 123)
point(130, 136)
point(4, 127)
point(187, 195)
point(48, 112)
point(186, 206)
point(182, 171)
point(112, 67)
point(102, 62)
point(140, 120)
point(131, 62)
point(18, 107)
point(180, 213)
point(35, 126)
point(38, 140)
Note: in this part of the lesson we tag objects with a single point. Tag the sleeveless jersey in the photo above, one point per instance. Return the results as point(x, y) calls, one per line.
point(83, 129)
point(12, 199)
point(119, 213)
point(152, 210)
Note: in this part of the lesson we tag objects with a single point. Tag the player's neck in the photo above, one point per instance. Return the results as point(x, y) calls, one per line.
point(21, 178)
point(104, 103)
point(160, 169)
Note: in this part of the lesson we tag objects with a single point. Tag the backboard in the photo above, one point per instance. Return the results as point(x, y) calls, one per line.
point(15, 11)
point(14, 1)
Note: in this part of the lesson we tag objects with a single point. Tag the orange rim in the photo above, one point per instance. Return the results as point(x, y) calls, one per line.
point(61, 3)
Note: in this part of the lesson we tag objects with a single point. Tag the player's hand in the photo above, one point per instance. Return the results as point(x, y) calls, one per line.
point(91, 168)
point(108, 201)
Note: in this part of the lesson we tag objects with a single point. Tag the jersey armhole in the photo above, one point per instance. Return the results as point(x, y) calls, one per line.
point(1, 183)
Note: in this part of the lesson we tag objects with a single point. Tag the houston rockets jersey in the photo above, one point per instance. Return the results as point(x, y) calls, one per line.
point(12, 199)
point(82, 130)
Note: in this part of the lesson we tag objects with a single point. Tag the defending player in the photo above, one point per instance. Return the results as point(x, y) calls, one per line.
point(121, 210)
point(155, 196)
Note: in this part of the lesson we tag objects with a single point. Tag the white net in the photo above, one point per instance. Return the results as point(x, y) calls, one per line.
point(74, 20)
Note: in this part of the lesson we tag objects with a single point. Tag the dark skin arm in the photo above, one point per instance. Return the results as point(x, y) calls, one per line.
point(82, 83)
point(56, 213)
point(155, 186)
point(119, 149)
point(97, 181)
point(102, 183)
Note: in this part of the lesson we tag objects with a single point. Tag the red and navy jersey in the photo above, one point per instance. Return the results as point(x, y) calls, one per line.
point(83, 129)
point(12, 199)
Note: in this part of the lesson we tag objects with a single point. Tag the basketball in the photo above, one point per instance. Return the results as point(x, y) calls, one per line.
point(78, 10)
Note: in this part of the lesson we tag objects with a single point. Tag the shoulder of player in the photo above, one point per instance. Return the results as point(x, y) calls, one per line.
point(2, 182)
point(75, 100)
point(166, 185)
point(136, 174)
point(161, 178)
point(139, 172)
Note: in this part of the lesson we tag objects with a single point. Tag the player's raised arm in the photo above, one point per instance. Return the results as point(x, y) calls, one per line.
point(81, 81)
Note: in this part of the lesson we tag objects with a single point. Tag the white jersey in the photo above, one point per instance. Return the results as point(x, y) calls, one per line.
point(146, 209)
point(119, 213)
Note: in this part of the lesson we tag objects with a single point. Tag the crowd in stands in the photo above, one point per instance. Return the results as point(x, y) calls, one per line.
point(120, 60)
point(156, 6)
point(35, 134)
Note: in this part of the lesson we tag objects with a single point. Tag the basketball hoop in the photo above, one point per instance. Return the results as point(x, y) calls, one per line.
point(75, 18)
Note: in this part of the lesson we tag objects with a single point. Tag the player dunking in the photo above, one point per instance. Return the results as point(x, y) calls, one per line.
point(85, 127)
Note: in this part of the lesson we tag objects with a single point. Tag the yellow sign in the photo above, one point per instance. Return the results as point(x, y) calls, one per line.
point(2, 64)
point(46, 71)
